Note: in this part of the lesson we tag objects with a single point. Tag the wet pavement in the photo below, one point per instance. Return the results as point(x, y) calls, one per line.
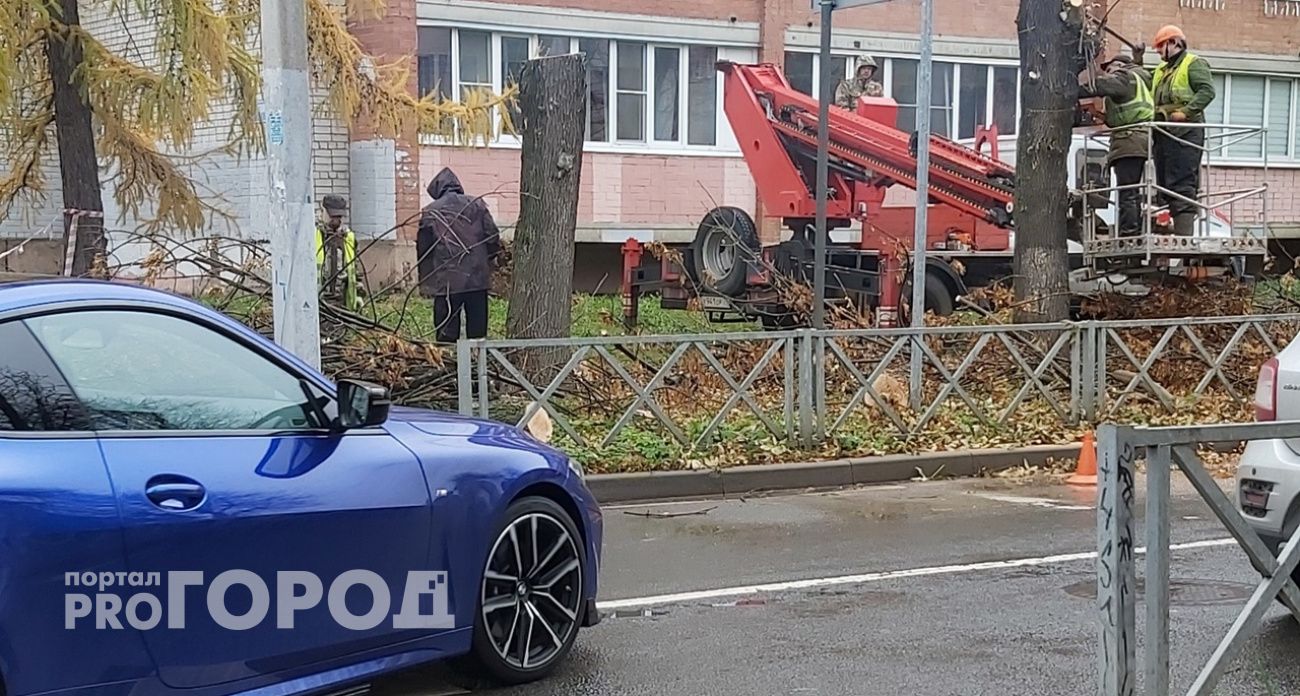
point(927, 611)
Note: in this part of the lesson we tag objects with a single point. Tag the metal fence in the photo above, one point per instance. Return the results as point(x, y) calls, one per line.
point(806, 387)
point(1117, 592)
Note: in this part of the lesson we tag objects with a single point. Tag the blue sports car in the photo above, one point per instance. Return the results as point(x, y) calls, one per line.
point(185, 507)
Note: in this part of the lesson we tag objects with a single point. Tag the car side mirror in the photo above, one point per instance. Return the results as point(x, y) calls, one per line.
point(361, 404)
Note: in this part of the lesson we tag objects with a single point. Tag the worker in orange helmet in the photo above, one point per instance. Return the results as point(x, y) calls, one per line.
point(1182, 87)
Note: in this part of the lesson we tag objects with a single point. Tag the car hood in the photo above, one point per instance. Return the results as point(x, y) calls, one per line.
point(449, 424)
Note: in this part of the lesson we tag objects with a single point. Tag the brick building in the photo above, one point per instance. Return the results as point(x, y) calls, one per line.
point(659, 151)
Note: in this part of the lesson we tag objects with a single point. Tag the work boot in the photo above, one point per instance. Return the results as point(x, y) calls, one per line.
point(1185, 224)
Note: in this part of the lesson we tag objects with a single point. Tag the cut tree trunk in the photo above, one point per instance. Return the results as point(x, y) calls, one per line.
point(1049, 59)
point(76, 139)
point(552, 102)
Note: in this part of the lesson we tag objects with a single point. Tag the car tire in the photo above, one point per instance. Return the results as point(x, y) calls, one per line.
point(550, 586)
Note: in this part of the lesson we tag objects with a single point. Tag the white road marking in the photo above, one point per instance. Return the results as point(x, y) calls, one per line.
point(701, 595)
point(1034, 502)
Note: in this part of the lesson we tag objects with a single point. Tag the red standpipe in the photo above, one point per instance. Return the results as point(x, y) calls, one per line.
point(891, 291)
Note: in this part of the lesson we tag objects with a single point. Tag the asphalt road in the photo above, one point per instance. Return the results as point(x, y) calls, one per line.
point(956, 622)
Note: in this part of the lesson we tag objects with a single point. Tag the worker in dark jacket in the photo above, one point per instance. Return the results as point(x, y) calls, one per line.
point(1129, 103)
point(458, 244)
point(1183, 87)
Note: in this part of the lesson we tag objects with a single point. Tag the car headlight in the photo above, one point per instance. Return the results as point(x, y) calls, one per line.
point(576, 468)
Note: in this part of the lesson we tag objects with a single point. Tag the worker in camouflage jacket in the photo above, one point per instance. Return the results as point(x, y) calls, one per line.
point(862, 84)
point(1126, 87)
point(1183, 88)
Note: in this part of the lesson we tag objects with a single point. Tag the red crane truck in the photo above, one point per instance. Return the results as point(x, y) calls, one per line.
point(727, 272)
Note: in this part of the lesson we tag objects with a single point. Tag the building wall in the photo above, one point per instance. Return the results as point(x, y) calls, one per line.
point(235, 185)
point(621, 196)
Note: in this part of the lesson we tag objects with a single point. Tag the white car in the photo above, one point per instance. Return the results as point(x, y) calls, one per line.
point(1268, 476)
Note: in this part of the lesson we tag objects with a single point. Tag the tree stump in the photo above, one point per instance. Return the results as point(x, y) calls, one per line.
point(553, 107)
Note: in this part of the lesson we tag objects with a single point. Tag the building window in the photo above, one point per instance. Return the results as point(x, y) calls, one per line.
point(435, 62)
point(1259, 101)
point(630, 86)
point(475, 61)
point(597, 53)
point(514, 53)
point(963, 96)
point(701, 96)
point(1006, 98)
point(667, 86)
point(803, 73)
point(664, 95)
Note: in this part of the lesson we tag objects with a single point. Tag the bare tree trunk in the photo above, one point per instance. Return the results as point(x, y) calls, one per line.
point(552, 101)
point(1049, 65)
point(76, 137)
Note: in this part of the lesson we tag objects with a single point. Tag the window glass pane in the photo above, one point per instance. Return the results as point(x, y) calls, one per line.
point(475, 57)
point(552, 45)
point(514, 53)
point(1214, 112)
point(702, 99)
point(1279, 117)
point(630, 83)
point(435, 61)
point(839, 71)
point(941, 91)
point(597, 52)
point(974, 99)
point(799, 71)
point(1005, 99)
point(903, 91)
point(631, 116)
point(667, 79)
point(140, 371)
point(1295, 127)
point(1247, 109)
point(33, 395)
point(631, 66)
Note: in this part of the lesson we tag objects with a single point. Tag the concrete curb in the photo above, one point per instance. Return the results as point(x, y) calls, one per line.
point(749, 480)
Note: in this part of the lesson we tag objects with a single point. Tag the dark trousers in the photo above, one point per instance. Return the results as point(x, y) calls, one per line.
point(1178, 169)
point(1128, 171)
point(448, 308)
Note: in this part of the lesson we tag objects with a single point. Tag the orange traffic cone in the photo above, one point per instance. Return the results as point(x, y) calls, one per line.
point(1085, 472)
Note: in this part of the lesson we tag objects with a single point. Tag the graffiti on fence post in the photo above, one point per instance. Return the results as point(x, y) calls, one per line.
point(1115, 567)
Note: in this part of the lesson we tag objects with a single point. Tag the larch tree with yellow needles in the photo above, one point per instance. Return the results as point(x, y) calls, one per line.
point(63, 88)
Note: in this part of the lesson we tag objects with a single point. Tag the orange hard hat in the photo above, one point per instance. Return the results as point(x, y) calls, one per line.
point(1168, 33)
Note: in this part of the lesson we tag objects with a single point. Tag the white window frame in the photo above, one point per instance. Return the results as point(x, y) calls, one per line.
point(725, 144)
point(1289, 161)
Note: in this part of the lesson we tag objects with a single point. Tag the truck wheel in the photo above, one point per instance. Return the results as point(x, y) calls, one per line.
point(725, 242)
point(938, 296)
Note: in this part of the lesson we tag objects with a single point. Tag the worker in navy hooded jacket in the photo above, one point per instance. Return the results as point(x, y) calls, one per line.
point(457, 247)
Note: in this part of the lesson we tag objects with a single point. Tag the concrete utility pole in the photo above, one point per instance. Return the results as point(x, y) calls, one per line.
point(286, 114)
point(923, 81)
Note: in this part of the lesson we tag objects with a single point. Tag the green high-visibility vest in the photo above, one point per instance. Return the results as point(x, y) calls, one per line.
point(350, 295)
point(1140, 109)
point(1181, 89)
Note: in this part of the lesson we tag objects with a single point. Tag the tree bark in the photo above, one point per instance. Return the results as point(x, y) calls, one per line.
point(1049, 66)
point(76, 139)
point(552, 102)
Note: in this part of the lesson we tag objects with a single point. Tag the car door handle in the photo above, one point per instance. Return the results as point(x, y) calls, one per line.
point(175, 493)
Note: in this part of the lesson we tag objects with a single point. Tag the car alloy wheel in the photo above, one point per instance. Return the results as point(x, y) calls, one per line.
point(531, 599)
